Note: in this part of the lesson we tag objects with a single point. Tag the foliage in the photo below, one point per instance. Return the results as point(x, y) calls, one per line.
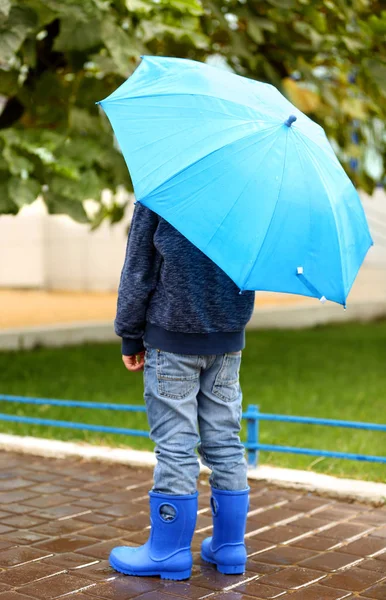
point(58, 57)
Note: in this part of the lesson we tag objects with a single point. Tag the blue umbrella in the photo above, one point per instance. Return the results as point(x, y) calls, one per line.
point(243, 174)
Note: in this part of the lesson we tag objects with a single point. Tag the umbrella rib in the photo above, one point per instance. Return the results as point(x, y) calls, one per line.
point(237, 199)
point(259, 102)
point(273, 214)
point(155, 190)
point(326, 187)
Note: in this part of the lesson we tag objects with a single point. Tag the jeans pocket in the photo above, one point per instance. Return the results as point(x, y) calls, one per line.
point(227, 383)
point(177, 375)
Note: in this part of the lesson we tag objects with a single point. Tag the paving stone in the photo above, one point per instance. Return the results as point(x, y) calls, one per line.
point(62, 520)
point(317, 592)
point(256, 566)
point(18, 509)
point(314, 542)
point(47, 488)
point(292, 577)
point(381, 532)
point(95, 519)
point(211, 579)
point(101, 571)
point(344, 531)
point(307, 503)
point(65, 544)
point(352, 580)
point(377, 591)
point(285, 555)
point(4, 587)
point(54, 528)
point(309, 523)
point(125, 588)
point(105, 532)
point(103, 549)
point(19, 576)
point(329, 561)
point(280, 534)
point(231, 596)
point(79, 493)
point(336, 515)
point(116, 510)
point(15, 483)
point(91, 503)
point(24, 536)
point(57, 512)
point(5, 529)
point(155, 595)
point(20, 555)
point(4, 544)
point(13, 596)
point(69, 560)
point(373, 564)
point(57, 585)
point(22, 521)
point(366, 546)
point(185, 590)
point(259, 590)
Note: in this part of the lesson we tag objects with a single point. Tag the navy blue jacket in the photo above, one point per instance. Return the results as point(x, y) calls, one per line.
point(174, 297)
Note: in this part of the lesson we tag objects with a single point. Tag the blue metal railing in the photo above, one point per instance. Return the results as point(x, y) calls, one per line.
point(253, 417)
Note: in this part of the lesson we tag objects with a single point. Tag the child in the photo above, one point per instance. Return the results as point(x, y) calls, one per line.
point(189, 316)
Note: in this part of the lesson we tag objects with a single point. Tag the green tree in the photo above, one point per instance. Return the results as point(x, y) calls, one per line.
point(58, 57)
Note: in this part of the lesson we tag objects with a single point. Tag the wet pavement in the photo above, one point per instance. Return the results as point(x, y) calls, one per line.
point(60, 518)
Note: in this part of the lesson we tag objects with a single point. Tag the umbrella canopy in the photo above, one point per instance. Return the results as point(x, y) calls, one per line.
point(243, 174)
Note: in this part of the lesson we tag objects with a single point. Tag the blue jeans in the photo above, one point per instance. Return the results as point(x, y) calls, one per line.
point(194, 402)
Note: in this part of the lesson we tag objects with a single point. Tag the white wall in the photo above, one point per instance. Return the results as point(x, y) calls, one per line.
point(53, 252)
point(375, 208)
point(22, 250)
point(38, 250)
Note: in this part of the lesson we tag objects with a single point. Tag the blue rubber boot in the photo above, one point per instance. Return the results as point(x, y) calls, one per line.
point(226, 548)
point(167, 552)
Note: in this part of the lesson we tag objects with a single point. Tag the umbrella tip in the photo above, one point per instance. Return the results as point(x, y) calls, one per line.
point(291, 119)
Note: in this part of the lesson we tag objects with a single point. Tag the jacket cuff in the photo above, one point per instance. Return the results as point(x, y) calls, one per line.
point(132, 346)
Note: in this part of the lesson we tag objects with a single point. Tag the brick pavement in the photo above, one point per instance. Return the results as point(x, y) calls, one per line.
point(60, 518)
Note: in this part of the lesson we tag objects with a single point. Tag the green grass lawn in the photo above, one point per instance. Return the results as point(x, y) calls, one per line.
point(333, 372)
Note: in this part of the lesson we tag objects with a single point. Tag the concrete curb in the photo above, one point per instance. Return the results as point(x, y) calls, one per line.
point(274, 317)
point(344, 489)
point(62, 334)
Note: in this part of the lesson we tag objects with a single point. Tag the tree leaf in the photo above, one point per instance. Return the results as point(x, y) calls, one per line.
point(8, 82)
point(87, 187)
point(59, 205)
point(78, 36)
point(17, 164)
point(254, 31)
point(23, 191)
point(14, 30)
point(139, 6)
point(5, 7)
point(124, 49)
point(283, 3)
point(190, 7)
point(7, 205)
point(377, 71)
point(305, 99)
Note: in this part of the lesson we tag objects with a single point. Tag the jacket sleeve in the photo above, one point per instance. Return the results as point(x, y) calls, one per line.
point(138, 280)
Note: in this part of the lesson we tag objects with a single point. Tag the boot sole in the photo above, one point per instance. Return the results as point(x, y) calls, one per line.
point(225, 569)
point(173, 575)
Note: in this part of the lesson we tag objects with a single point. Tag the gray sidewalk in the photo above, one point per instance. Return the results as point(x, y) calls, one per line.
point(367, 301)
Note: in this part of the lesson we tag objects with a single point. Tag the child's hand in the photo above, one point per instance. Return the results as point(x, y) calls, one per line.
point(136, 362)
